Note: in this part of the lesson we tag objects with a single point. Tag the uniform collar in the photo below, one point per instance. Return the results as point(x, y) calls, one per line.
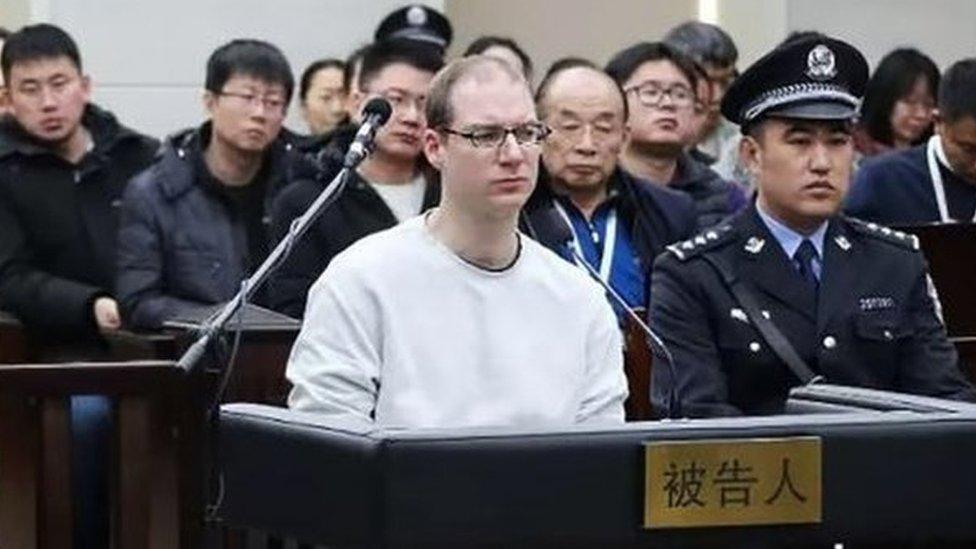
point(789, 239)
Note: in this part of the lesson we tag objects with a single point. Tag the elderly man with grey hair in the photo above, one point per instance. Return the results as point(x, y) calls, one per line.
point(715, 140)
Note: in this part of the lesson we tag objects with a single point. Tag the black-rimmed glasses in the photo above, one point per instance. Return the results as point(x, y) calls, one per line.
point(486, 137)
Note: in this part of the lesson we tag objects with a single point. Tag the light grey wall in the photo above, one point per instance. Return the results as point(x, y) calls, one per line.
point(147, 57)
point(943, 29)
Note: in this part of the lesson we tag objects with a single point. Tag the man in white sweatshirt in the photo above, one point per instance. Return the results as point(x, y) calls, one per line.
point(453, 318)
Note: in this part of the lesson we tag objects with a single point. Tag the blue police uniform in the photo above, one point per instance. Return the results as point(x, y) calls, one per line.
point(852, 299)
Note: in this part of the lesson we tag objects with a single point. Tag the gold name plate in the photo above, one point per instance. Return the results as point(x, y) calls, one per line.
point(732, 482)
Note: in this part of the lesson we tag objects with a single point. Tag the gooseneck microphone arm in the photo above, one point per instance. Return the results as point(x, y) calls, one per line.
point(375, 114)
point(562, 232)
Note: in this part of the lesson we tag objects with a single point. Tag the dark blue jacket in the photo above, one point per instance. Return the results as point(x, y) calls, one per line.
point(656, 216)
point(179, 248)
point(895, 188)
point(873, 322)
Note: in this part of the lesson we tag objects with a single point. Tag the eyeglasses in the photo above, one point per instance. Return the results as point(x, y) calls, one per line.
point(650, 94)
point(486, 137)
point(269, 102)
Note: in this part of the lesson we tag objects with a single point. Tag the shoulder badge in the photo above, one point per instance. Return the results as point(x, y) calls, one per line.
point(886, 234)
point(710, 239)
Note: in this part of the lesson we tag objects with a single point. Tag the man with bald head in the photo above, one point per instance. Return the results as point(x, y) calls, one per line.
point(619, 223)
point(453, 318)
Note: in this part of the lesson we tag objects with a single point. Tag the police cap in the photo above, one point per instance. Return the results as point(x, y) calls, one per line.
point(816, 78)
point(416, 22)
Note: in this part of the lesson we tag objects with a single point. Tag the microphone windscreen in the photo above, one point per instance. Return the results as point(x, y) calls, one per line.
point(379, 108)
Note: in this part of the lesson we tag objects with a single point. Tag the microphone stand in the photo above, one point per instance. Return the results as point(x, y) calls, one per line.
point(654, 341)
point(299, 226)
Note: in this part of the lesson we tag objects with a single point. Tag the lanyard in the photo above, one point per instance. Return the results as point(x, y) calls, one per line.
point(933, 152)
point(609, 241)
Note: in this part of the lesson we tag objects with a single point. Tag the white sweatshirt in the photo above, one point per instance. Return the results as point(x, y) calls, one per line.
point(400, 330)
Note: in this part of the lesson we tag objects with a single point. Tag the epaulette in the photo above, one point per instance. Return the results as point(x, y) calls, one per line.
point(885, 234)
point(707, 240)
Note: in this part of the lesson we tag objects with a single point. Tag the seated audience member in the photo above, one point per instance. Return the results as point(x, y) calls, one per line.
point(934, 181)
point(619, 225)
point(195, 224)
point(453, 318)
point(322, 94)
point(716, 140)
point(849, 301)
point(64, 163)
point(660, 84)
point(898, 105)
point(416, 23)
point(505, 49)
point(392, 185)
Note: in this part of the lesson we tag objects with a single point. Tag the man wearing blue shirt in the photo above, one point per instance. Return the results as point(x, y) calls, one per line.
point(788, 289)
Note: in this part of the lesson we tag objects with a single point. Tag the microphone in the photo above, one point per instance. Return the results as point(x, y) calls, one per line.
point(562, 232)
point(376, 112)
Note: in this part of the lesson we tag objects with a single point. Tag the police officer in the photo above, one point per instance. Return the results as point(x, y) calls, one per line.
point(789, 289)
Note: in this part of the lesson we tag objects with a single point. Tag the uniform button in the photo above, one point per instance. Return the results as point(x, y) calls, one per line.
point(754, 346)
point(888, 335)
point(829, 342)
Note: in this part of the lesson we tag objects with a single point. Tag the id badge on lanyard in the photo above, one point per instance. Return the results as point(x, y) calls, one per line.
point(609, 241)
point(933, 152)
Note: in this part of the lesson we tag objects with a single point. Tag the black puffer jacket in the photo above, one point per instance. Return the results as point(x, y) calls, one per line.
point(58, 222)
point(358, 211)
point(180, 247)
point(715, 198)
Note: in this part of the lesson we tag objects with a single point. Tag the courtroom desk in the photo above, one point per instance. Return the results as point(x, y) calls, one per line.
point(156, 475)
point(14, 345)
point(887, 477)
point(259, 372)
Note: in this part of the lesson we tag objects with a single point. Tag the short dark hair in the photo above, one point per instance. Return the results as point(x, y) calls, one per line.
point(564, 64)
point(440, 112)
point(625, 63)
point(707, 44)
point(379, 55)
point(483, 43)
point(353, 64)
point(956, 97)
point(4, 33)
point(249, 57)
point(40, 41)
point(892, 80)
point(305, 82)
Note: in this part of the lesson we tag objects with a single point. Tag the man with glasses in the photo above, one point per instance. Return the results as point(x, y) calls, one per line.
point(660, 84)
point(392, 185)
point(454, 318)
point(932, 182)
point(714, 140)
point(619, 223)
point(195, 224)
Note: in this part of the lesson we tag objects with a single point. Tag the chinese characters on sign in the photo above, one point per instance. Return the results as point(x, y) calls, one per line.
point(732, 482)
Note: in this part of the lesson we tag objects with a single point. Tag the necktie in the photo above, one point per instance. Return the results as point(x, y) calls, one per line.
point(804, 257)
